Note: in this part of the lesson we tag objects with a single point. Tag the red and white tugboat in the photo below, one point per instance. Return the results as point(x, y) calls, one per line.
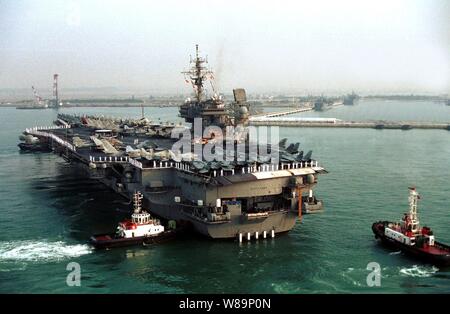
point(408, 236)
point(141, 229)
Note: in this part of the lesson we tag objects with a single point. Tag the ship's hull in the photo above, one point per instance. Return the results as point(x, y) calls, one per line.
point(411, 250)
point(34, 147)
point(279, 221)
point(105, 241)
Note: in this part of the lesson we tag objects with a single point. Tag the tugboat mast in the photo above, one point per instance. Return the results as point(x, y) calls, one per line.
point(137, 198)
point(413, 219)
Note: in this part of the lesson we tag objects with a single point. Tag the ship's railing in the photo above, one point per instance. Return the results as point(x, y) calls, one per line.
point(135, 163)
point(111, 159)
point(282, 166)
point(37, 131)
point(186, 167)
point(249, 169)
point(51, 127)
point(116, 159)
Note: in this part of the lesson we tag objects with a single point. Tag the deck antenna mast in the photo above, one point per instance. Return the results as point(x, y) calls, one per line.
point(198, 74)
point(137, 199)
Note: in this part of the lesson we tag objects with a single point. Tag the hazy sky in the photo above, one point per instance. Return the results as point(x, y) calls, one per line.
point(304, 46)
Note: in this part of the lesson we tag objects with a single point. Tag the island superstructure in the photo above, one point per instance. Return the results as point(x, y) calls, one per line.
point(242, 197)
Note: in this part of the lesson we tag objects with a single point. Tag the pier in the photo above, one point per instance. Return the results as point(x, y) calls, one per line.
point(286, 112)
point(336, 123)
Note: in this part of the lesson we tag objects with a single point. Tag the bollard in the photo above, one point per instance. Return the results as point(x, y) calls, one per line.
point(256, 235)
point(273, 233)
point(240, 237)
point(264, 234)
point(248, 236)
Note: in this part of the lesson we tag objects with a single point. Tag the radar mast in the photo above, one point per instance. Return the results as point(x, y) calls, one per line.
point(198, 74)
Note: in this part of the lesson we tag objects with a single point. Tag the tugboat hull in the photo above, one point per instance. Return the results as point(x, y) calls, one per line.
point(106, 241)
point(439, 254)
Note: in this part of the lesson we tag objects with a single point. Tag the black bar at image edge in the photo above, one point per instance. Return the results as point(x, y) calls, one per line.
point(219, 303)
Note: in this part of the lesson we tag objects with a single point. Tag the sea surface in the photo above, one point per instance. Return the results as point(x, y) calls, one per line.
point(48, 212)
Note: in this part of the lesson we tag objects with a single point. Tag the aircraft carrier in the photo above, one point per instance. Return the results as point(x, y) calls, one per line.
point(241, 196)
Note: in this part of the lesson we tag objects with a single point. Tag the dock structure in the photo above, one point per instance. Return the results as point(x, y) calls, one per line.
point(287, 112)
point(336, 123)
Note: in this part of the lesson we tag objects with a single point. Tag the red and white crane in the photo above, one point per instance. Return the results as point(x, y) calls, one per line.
point(37, 98)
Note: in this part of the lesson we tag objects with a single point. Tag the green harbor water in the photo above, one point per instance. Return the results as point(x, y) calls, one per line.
point(48, 211)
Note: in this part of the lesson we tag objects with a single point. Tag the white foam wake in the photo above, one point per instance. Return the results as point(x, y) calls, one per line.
point(419, 271)
point(40, 251)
